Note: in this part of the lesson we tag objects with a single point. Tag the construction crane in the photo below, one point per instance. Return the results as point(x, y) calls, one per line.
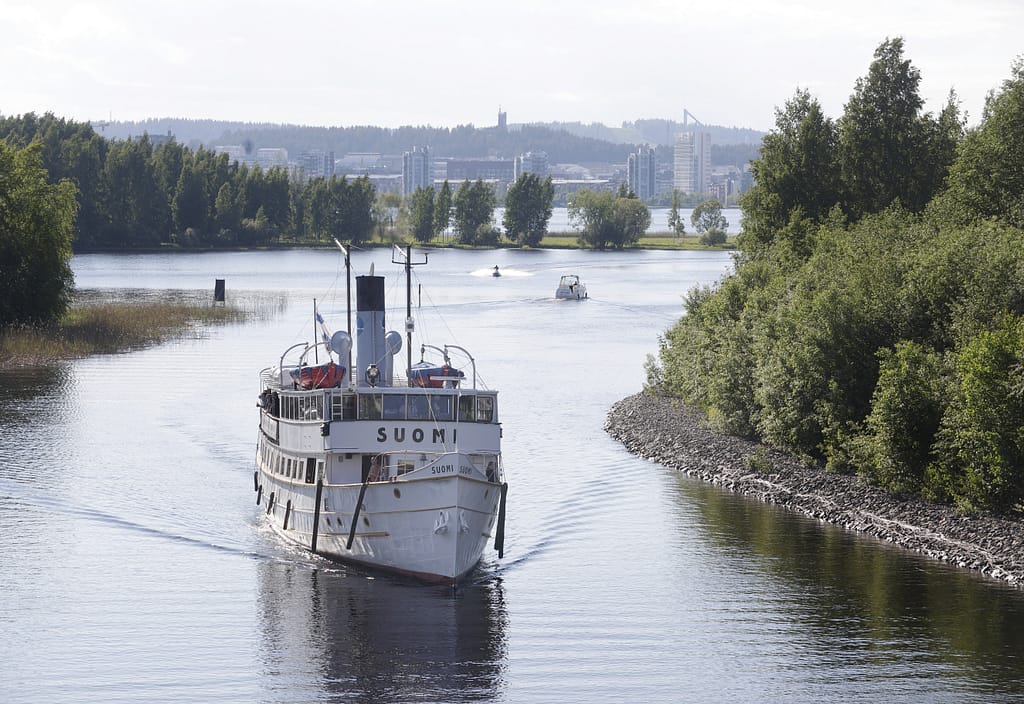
point(688, 114)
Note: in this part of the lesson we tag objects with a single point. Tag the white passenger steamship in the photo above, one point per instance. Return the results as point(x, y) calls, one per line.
point(398, 473)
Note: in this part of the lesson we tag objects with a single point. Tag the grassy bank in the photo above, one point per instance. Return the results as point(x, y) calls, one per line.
point(552, 240)
point(569, 240)
point(105, 327)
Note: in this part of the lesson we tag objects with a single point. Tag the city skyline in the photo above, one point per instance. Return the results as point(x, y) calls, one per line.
point(456, 62)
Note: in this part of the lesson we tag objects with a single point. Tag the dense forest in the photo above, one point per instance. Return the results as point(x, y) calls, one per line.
point(874, 318)
point(134, 194)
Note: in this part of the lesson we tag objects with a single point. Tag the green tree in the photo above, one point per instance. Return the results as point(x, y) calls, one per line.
point(443, 209)
point(797, 172)
point(883, 136)
point(608, 219)
point(256, 230)
point(987, 179)
point(339, 208)
point(981, 445)
point(632, 218)
point(355, 207)
point(906, 410)
point(135, 203)
point(226, 210)
point(675, 220)
point(708, 221)
point(275, 199)
point(421, 213)
point(37, 222)
point(474, 209)
point(528, 207)
point(594, 213)
point(386, 207)
point(191, 202)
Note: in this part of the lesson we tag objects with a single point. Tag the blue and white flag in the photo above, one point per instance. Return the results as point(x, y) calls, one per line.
point(325, 333)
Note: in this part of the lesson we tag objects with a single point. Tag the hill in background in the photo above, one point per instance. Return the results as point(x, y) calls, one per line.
point(570, 142)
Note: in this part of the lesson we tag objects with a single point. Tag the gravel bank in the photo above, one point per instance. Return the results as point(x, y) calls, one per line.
point(664, 430)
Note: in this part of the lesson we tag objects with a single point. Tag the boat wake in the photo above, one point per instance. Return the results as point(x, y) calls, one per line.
point(106, 518)
point(565, 525)
point(500, 272)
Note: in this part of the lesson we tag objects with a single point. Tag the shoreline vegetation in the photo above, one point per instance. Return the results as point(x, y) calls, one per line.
point(554, 240)
point(663, 429)
point(94, 326)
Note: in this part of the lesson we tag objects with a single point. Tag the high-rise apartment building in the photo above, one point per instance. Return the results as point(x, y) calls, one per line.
point(316, 163)
point(416, 170)
point(641, 173)
point(692, 162)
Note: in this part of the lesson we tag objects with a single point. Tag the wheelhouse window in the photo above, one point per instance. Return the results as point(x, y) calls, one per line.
point(485, 409)
point(441, 407)
point(369, 406)
point(394, 406)
point(343, 406)
point(419, 407)
point(467, 408)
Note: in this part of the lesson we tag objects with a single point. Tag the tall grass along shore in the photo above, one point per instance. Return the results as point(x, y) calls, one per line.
point(94, 324)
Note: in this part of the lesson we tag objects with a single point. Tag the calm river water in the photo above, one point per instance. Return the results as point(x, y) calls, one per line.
point(136, 566)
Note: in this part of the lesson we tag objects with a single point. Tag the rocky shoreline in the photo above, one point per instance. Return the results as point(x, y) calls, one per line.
point(664, 430)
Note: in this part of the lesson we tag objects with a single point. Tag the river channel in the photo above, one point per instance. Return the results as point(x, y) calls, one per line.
point(136, 566)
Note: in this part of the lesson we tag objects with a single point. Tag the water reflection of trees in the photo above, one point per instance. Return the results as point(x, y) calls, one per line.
point(34, 403)
point(339, 635)
point(31, 393)
point(857, 592)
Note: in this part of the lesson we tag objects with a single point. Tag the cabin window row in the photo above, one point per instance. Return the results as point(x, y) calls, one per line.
point(300, 469)
point(305, 407)
point(392, 406)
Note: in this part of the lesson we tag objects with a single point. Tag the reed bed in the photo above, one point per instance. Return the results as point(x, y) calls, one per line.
point(98, 324)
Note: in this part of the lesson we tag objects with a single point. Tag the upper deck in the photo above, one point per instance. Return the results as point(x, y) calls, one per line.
point(381, 418)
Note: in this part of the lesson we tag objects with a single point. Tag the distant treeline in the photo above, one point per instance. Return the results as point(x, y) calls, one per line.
point(875, 319)
point(134, 194)
point(143, 193)
point(563, 143)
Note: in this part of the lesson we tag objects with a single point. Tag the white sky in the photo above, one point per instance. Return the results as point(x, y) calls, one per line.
point(454, 62)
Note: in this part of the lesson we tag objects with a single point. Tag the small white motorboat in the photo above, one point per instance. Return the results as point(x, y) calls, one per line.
point(570, 288)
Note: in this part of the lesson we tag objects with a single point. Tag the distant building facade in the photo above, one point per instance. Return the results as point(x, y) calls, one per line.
point(642, 173)
point(416, 170)
point(269, 157)
point(316, 163)
point(483, 169)
point(530, 163)
point(692, 162)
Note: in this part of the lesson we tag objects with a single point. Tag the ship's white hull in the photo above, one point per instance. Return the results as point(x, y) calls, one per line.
point(433, 528)
point(358, 464)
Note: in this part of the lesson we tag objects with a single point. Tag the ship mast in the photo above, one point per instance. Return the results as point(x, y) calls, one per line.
point(348, 298)
point(410, 326)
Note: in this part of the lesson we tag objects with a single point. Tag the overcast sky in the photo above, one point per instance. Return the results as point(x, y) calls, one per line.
point(454, 62)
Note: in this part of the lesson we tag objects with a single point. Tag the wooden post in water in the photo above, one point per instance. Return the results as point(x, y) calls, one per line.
point(499, 534)
point(316, 513)
point(218, 290)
